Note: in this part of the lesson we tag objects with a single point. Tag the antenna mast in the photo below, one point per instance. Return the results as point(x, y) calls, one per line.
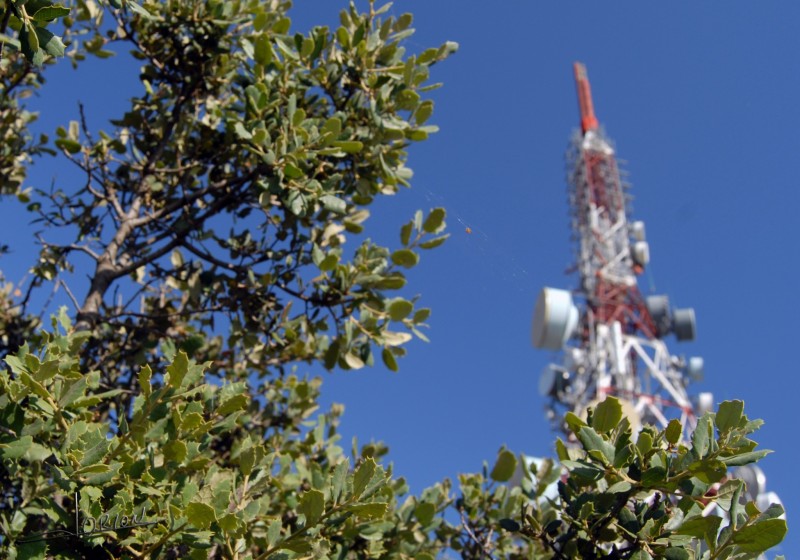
point(611, 336)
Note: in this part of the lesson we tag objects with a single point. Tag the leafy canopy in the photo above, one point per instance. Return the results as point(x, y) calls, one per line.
point(222, 222)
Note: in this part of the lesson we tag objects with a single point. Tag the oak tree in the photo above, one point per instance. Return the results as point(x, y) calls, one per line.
point(222, 223)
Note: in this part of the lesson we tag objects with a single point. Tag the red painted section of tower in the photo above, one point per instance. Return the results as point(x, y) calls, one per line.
point(610, 301)
point(588, 120)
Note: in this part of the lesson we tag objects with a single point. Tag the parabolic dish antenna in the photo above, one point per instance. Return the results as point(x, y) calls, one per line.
point(554, 318)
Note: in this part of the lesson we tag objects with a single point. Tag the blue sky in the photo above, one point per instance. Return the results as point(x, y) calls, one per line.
point(702, 104)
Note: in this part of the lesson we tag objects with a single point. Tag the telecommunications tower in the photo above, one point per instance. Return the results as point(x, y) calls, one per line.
point(611, 337)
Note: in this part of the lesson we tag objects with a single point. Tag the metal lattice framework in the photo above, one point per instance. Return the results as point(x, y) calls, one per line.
point(611, 338)
point(616, 347)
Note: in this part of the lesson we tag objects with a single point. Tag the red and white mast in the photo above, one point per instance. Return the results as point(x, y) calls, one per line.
point(611, 336)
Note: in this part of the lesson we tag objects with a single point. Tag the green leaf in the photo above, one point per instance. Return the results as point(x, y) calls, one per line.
point(51, 44)
point(405, 258)
point(145, 374)
point(10, 40)
point(312, 505)
point(772, 512)
point(296, 201)
point(175, 450)
point(137, 9)
point(362, 476)
point(333, 125)
point(389, 360)
point(237, 402)
point(583, 470)
point(423, 112)
point(644, 443)
point(394, 281)
point(333, 203)
point(425, 512)
point(32, 551)
point(274, 532)
point(395, 338)
point(701, 437)
point(29, 43)
point(574, 422)
point(20, 448)
point(619, 487)
point(729, 415)
point(373, 510)
point(654, 476)
point(726, 492)
point(353, 361)
point(328, 263)
point(701, 527)
point(673, 431)
point(200, 515)
point(92, 469)
point(434, 223)
point(504, 467)
point(75, 391)
point(177, 370)
point(46, 371)
point(16, 365)
point(241, 131)
point(228, 523)
point(607, 415)
point(405, 233)
point(760, 536)
point(298, 117)
point(349, 147)
point(262, 50)
point(338, 479)
point(35, 386)
point(676, 553)
point(708, 470)
point(85, 402)
point(37, 452)
point(247, 460)
point(746, 458)
point(623, 455)
point(68, 145)
point(735, 504)
point(561, 450)
point(592, 441)
point(421, 315)
point(435, 242)
point(399, 309)
point(191, 421)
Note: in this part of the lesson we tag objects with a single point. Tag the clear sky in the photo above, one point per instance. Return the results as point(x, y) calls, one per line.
point(702, 101)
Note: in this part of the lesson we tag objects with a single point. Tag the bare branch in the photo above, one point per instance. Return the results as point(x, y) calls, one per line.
point(71, 295)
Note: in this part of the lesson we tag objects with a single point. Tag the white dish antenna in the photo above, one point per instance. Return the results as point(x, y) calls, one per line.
point(554, 319)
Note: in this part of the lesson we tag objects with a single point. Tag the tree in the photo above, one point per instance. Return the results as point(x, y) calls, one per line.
point(215, 220)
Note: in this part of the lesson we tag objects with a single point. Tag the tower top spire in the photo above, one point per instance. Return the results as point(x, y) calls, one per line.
point(588, 119)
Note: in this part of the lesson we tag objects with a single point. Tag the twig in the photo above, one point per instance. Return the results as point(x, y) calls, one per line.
point(470, 532)
point(71, 295)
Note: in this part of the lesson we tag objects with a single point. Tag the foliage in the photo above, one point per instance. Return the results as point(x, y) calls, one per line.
point(221, 201)
point(216, 220)
point(652, 497)
point(190, 455)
